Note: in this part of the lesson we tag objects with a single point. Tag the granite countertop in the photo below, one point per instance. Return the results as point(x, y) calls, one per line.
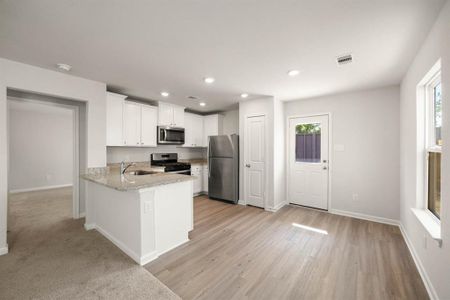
point(195, 161)
point(110, 177)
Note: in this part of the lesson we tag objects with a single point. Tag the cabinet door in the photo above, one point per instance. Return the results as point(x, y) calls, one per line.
point(205, 178)
point(165, 114)
point(178, 116)
point(149, 117)
point(197, 125)
point(197, 172)
point(188, 130)
point(132, 124)
point(114, 119)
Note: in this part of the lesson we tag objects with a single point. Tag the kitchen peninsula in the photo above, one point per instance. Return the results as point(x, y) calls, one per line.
point(144, 212)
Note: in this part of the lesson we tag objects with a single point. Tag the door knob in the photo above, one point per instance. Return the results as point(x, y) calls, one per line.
point(247, 165)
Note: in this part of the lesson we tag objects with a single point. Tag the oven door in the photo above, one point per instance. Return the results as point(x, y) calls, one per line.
point(170, 135)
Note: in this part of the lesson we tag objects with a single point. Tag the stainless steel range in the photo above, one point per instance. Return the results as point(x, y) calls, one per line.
point(170, 163)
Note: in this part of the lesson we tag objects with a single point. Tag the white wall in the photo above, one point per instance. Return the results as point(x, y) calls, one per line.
point(36, 80)
point(231, 122)
point(135, 154)
point(435, 261)
point(40, 146)
point(366, 124)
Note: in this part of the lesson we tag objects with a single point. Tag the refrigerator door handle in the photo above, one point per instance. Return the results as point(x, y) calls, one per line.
point(209, 159)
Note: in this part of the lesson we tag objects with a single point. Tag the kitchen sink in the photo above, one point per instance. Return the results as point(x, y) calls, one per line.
point(141, 172)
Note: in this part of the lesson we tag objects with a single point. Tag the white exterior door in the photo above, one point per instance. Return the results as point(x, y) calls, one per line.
point(308, 161)
point(255, 160)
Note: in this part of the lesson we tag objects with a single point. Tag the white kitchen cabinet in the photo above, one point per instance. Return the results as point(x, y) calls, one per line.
point(205, 178)
point(132, 124)
point(170, 115)
point(114, 119)
point(196, 170)
point(193, 130)
point(149, 117)
point(178, 116)
point(139, 125)
point(212, 125)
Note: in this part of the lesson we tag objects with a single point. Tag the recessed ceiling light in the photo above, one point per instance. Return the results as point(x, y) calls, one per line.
point(244, 95)
point(293, 73)
point(202, 104)
point(209, 80)
point(165, 94)
point(64, 67)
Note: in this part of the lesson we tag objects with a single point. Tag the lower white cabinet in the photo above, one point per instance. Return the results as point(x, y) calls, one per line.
point(196, 170)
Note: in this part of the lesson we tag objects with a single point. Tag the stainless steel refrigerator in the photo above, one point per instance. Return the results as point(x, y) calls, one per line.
point(223, 164)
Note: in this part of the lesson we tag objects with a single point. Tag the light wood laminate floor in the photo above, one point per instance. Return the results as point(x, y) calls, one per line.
point(239, 252)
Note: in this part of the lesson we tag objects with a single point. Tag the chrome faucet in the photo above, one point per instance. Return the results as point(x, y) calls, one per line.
point(123, 168)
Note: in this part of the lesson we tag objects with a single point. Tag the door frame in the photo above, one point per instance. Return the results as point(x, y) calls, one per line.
point(76, 147)
point(266, 177)
point(330, 152)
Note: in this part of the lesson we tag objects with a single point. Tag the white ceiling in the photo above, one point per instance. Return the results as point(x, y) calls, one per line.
point(142, 47)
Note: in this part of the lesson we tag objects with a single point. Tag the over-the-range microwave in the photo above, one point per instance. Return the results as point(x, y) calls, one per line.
point(170, 135)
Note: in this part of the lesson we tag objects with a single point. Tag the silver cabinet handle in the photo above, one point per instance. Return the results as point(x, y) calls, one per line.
point(325, 168)
point(247, 165)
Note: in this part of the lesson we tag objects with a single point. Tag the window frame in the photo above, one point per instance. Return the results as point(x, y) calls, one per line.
point(430, 135)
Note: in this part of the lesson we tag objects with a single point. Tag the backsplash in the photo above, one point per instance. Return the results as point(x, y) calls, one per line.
point(118, 154)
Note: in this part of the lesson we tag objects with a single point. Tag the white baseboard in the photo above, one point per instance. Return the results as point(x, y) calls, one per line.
point(41, 188)
point(276, 208)
point(89, 226)
point(4, 250)
point(82, 215)
point(242, 202)
point(364, 217)
point(148, 258)
point(423, 274)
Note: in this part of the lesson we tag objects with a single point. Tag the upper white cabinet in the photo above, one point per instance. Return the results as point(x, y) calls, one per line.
point(132, 124)
point(114, 119)
point(170, 115)
point(212, 125)
point(193, 130)
point(139, 124)
point(149, 117)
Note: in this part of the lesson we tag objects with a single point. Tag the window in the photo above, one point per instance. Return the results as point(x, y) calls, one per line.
point(433, 145)
point(307, 144)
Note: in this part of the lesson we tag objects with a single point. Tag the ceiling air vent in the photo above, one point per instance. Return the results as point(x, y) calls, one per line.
point(192, 97)
point(344, 59)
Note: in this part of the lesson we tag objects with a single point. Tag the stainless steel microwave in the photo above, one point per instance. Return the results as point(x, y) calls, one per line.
point(170, 135)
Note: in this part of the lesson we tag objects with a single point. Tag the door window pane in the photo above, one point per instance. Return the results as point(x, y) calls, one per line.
point(434, 183)
point(307, 143)
point(438, 113)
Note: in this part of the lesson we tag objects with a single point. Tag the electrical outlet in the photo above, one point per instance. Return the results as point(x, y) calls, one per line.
point(355, 197)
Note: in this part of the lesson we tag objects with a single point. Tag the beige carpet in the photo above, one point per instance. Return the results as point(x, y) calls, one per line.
point(53, 257)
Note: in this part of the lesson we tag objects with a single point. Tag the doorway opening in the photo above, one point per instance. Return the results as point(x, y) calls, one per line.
point(46, 154)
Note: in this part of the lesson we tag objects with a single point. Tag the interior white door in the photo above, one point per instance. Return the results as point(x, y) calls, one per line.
point(132, 124)
point(149, 117)
point(255, 160)
point(308, 161)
